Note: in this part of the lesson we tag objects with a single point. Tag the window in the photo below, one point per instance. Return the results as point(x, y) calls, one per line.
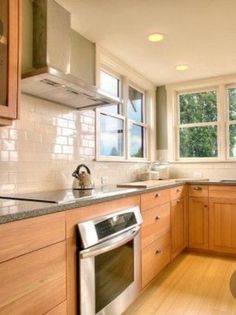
point(231, 96)
point(197, 124)
point(136, 123)
point(121, 129)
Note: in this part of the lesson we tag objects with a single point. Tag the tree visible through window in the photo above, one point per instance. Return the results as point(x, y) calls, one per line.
point(197, 128)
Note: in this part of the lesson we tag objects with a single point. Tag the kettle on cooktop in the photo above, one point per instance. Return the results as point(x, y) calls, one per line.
point(82, 179)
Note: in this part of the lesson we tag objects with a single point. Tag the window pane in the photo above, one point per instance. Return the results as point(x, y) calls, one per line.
point(198, 107)
point(112, 109)
point(232, 140)
point(136, 141)
point(135, 105)
point(112, 136)
point(198, 142)
point(109, 84)
point(232, 103)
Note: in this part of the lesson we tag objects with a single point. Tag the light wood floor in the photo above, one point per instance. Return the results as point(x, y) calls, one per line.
point(192, 284)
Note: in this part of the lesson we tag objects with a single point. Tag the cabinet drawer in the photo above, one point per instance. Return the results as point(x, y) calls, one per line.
point(154, 258)
point(153, 199)
point(156, 222)
point(34, 283)
point(177, 192)
point(21, 237)
point(198, 190)
point(225, 192)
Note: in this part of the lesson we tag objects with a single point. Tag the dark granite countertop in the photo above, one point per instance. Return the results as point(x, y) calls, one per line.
point(61, 200)
point(13, 210)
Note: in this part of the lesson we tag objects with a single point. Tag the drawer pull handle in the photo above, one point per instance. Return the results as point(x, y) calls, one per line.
point(157, 195)
point(177, 190)
point(157, 218)
point(158, 252)
point(197, 188)
point(178, 201)
point(205, 206)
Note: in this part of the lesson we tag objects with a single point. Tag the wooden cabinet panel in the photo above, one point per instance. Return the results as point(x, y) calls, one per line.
point(72, 276)
point(150, 200)
point(156, 222)
point(223, 192)
point(60, 309)
point(198, 223)
point(198, 190)
point(9, 59)
point(155, 257)
point(24, 236)
point(178, 226)
point(222, 223)
point(86, 213)
point(33, 283)
point(178, 192)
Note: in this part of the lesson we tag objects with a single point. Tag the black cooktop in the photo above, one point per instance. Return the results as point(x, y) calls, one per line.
point(66, 195)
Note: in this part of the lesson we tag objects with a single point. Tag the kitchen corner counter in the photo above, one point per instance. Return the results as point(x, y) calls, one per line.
point(14, 210)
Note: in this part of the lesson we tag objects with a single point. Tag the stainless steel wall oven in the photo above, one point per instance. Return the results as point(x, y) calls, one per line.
point(109, 262)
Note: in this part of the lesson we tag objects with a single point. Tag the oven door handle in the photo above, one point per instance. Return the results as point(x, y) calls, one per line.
point(110, 244)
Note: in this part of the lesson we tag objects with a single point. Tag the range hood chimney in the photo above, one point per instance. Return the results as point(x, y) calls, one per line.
point(51, 79)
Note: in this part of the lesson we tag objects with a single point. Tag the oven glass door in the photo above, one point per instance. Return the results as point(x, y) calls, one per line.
point(114, 272)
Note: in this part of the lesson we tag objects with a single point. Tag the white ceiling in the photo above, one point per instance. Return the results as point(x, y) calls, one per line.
point(199, 33)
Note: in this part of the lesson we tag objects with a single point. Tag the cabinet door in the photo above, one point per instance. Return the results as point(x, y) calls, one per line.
point(178, 226)
point(9, 58)
point(222, 223)
point(198, 222)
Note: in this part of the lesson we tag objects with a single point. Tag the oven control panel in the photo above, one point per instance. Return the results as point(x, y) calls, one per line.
point(115, 224)
point(98, 230)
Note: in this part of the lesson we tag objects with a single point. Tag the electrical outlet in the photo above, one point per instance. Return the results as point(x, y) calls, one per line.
point(104, 180)
point(197, 174)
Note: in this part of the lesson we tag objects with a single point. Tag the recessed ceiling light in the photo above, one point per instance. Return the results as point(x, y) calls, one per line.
point(181, 67)
point(155, 37)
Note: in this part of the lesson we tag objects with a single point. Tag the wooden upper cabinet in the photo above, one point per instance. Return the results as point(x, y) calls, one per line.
point(198, 222)
point(9, 60)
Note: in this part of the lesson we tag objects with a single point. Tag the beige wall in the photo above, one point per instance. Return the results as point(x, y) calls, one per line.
point(161, 112)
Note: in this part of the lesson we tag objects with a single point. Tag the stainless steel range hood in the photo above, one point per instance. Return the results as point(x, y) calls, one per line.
point(51, 78)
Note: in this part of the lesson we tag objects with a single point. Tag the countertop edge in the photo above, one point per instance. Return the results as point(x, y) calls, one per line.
point(7, 218)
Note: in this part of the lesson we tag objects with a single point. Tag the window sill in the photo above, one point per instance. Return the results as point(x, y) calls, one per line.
point(202, 162)
point(121, 160)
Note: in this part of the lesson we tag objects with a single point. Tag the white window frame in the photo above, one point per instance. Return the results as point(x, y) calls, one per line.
point(140, 124)
point(222, 84)
point(178, 126)
point(228, 121)
point(123, 92)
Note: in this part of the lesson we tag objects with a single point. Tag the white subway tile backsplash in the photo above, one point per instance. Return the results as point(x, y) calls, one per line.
point(41, 150)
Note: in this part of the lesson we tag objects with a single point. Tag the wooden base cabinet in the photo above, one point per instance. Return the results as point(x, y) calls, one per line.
point(34, 283)
point(155, 233)
point(178, 220)
point(222, 226)
point(198, 222)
